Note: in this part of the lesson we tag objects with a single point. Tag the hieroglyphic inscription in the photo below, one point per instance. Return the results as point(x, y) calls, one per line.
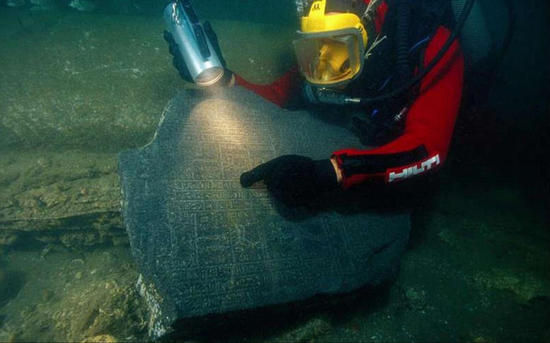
point(209, 245)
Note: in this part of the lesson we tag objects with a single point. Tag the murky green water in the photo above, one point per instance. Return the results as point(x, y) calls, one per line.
point(77, 88)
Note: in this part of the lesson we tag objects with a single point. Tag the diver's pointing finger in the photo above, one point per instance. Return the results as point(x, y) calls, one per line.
point(249, 178)
point(258, 173)
point(254, 175)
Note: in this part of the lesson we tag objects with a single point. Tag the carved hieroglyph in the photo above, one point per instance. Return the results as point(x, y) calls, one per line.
point(206, 245)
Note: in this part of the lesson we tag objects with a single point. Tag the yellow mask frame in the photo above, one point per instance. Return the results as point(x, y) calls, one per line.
point(337, 42)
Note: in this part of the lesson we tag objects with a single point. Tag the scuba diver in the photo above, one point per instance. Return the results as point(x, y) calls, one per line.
point(395, 62)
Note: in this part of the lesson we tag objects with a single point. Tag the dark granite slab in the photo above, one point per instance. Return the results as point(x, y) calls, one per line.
point(204, 245)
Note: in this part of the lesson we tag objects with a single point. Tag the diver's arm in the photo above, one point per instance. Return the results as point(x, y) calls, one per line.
point(428, 129)
point(281, 92)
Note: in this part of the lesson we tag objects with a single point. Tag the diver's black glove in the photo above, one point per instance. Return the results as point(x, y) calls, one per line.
point(179, 63)
point(293, 179)
point(177, 60)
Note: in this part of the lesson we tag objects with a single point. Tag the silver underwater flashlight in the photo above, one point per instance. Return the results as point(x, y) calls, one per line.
point(194, 45)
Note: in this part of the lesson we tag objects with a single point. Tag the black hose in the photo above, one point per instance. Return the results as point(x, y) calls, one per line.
point(402, 40)
point(501, 53)
point(415, 80)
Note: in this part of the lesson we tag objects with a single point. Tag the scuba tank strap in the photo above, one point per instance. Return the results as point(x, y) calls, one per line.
point(434, 13)
point(402, 42)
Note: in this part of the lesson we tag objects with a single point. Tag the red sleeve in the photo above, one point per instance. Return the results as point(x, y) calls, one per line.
point(280, 91)
point(428, 129)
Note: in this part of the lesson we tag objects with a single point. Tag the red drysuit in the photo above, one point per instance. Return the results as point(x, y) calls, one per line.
point(424, 144)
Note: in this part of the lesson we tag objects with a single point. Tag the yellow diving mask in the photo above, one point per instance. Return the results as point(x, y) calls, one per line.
point(330, 49)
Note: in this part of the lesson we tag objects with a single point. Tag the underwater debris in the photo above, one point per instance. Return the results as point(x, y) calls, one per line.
point(43, 5)
point(10, 284)
point(100, 339)
point(306, 332)
point(373, 46)
point(15, 3)
point(2, 280)
point(371, 9)
point(525, 286)
point(46, 203)
point(83, 5)
point(7, 238)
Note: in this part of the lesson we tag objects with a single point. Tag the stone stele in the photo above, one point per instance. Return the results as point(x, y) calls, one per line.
point(204, 245)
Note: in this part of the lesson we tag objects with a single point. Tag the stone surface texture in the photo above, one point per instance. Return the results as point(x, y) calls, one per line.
point(205, 245)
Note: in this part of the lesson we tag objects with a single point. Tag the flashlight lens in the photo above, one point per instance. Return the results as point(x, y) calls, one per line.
point(209, 77)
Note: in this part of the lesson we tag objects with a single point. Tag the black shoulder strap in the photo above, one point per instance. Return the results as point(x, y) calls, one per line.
point(434, 13)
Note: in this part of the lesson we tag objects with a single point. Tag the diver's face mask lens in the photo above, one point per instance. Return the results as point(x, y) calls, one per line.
point(330, 59)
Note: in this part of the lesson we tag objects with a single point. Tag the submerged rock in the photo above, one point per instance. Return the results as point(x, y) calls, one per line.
point(71, 197)
point(206, 246)
point(62, 299)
